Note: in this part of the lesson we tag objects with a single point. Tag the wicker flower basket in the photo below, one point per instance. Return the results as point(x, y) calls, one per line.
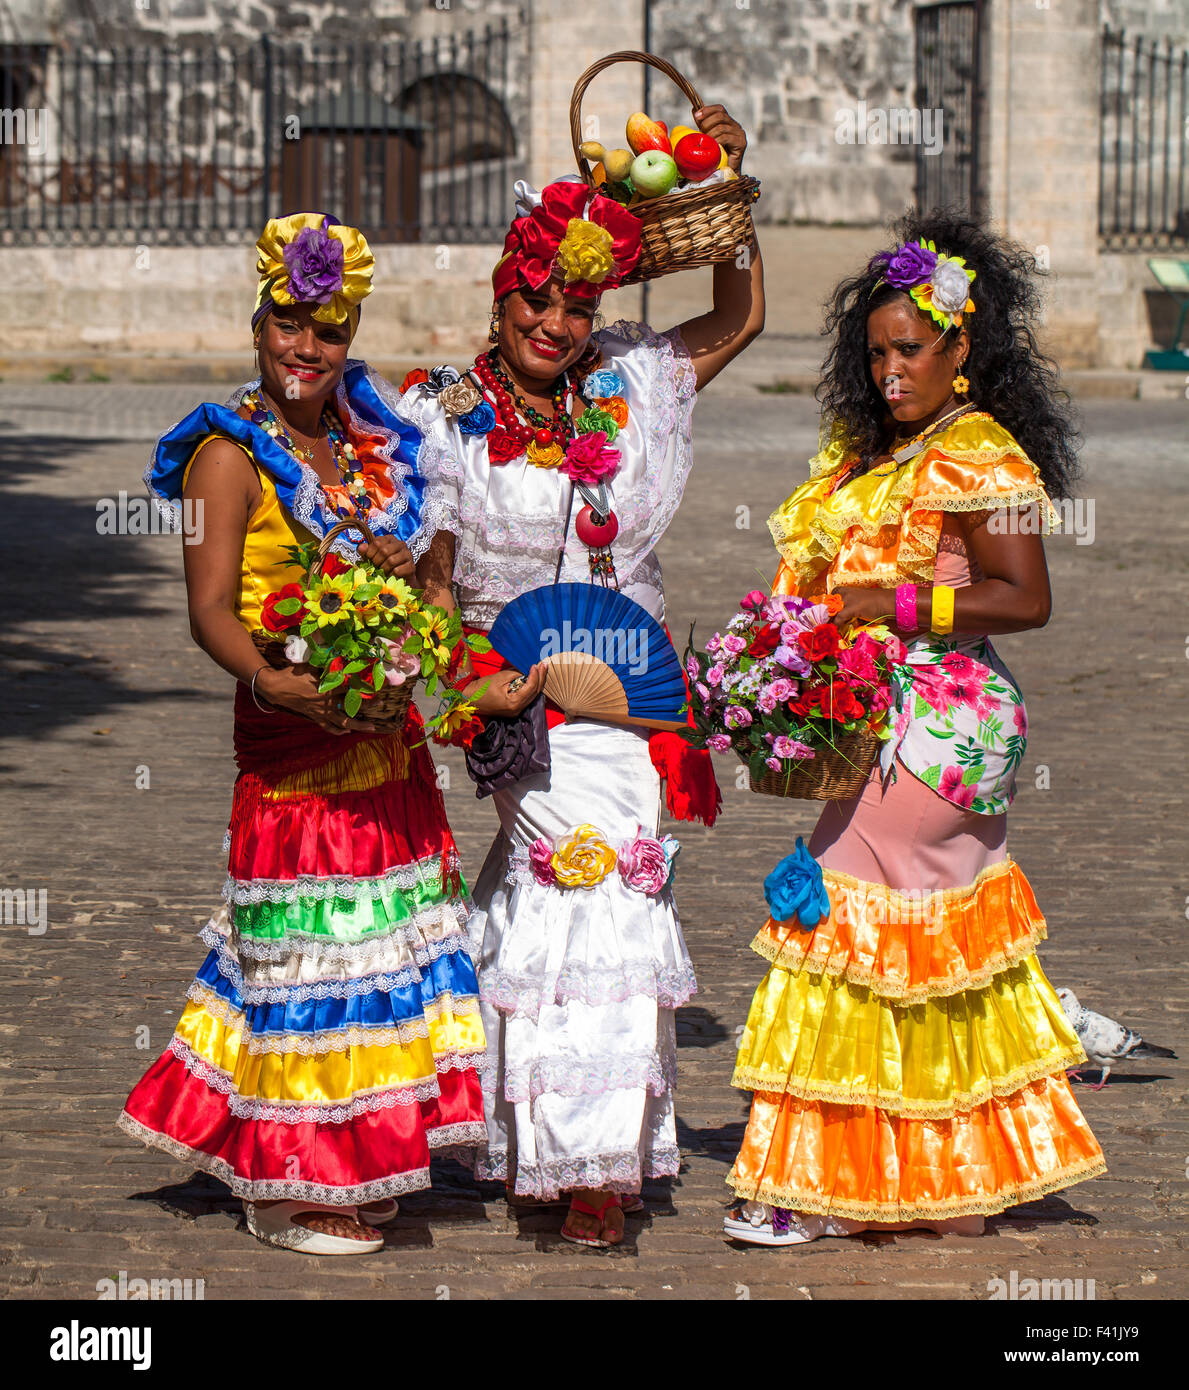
point(681, 230)
point(835, 774)
point(389, 708)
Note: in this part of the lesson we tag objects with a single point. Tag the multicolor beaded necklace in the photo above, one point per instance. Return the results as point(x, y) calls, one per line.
point(342, 451)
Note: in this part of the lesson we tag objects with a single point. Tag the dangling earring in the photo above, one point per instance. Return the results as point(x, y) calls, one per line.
point(960, 383)
point(493, 332)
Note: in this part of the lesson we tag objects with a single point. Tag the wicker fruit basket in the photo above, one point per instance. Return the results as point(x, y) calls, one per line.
point(681, 230)
point(833, 775)
point(389, 708)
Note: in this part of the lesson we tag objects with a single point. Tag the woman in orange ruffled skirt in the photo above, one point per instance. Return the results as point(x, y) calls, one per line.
point(907, 1054)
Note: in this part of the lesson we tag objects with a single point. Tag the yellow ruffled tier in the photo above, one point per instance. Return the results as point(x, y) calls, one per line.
point(864, 1164)
point(822, 1038)
point(912, 947)
point(335, 1068)
point(881, 527)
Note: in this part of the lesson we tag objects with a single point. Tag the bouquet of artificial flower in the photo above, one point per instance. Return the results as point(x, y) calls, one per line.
point(801, 703)
point(371, 637)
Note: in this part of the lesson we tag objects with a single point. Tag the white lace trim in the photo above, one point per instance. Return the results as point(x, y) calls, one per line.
point(612, 1172)
point(335, 1039)
point(286, 890)
point(270, 1189)
point(590, 1076)
point(525, 994)
point(298, 991)
point(393, 960)
point(451, 918)
point(450, 1141)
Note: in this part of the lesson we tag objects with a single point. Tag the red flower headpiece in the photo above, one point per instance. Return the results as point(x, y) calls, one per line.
point(533, 241)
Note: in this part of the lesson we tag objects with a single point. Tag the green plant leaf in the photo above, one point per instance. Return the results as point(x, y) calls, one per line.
point(352, 701)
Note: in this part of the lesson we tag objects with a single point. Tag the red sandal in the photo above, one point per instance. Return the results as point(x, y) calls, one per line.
point(585, 1209)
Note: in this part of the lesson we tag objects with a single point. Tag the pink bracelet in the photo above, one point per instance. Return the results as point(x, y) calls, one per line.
point(906, 608)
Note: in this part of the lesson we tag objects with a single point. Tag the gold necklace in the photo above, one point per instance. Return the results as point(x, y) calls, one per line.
point(306, 453)
point(910, 450)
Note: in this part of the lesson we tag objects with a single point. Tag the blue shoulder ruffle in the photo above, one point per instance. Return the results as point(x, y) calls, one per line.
point(300, 493)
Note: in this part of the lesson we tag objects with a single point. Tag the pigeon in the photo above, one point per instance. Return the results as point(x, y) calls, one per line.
point(1104, 1040)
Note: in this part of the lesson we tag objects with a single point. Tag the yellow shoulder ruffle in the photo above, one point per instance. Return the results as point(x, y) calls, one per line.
point(881, 528)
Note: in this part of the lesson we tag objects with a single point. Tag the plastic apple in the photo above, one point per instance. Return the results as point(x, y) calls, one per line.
point(697, 156)
point(643, 133)
point(679, 131)
point(654, 173)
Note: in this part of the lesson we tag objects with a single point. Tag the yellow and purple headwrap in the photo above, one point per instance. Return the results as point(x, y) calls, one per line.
point(311, 258)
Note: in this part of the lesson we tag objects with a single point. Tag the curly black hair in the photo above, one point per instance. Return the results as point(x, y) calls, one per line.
point(1009, 376)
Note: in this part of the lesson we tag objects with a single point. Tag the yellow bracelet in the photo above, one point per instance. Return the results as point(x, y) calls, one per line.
point(942, 608)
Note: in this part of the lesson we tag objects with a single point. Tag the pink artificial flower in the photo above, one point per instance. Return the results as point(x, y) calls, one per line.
point(754, 600)
point(718, 743)
point(783, 689)
point(859, 662)
point(540, 858)
point(737, 717)
point(773, 763)
point(785, 747)
point(733, 644)
point(766, 700)
point(953, 789)
point(588, 459)
point(714, 675)
point(643, 864)
point(691, 668)
point(703, 692)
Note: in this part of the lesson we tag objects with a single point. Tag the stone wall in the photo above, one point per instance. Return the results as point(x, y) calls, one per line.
point(788, 73)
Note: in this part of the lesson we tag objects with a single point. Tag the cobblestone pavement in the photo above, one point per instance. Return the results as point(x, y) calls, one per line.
point(103, 682)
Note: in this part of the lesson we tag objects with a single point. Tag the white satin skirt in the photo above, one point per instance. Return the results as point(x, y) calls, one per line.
point(578, 986)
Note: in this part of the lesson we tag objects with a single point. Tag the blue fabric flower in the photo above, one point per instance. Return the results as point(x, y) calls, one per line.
point(480, 420)
point(794, 888)
point(602, 383)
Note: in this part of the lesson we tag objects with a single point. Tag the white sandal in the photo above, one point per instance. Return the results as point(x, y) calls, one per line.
point(756, 1223)
point(379, 1213)
point(275, 1225)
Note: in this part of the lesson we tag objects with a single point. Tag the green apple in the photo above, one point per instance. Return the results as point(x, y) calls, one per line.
point(653, 173)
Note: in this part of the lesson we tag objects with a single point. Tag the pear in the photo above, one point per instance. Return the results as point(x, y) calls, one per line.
point(591, 149)
point(617, 163)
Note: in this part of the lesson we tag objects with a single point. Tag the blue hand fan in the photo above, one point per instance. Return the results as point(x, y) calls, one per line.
point(608, 658)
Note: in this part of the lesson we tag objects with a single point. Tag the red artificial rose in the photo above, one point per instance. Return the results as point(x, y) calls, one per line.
point(501, 447)
point(333, 565)
point(463, 736)
point(766, 640)
point(336, 663)
point(277, 622)
point(418, 374)
point(838, 703)
point(821, 643)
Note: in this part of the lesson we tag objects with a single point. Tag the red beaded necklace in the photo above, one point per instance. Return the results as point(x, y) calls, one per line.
point(519, 422)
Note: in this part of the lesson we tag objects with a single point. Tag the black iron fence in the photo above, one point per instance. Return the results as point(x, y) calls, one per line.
point(1145, 129)
point(948, 58)
point(408, 140)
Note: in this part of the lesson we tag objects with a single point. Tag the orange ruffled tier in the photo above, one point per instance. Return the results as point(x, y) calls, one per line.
point(908, 1058)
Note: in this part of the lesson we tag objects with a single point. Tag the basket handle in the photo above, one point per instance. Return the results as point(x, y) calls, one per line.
point(629, 55)
point(356, 523)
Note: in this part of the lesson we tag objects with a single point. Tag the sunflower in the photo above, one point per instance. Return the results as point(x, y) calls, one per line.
point(433, 628)
point(395, 598)
point(329, 600)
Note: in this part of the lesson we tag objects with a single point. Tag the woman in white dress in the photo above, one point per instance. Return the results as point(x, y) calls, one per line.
point(580, 954)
